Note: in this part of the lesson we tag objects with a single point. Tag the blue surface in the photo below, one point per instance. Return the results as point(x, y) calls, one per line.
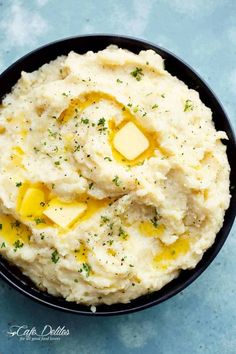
point(201, 319)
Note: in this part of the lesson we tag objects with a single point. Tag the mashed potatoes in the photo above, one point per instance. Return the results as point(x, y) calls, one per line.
point(113, 177)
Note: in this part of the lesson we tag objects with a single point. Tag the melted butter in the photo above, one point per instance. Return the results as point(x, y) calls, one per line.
point(196, 167)
point(24, 133)
point(33, 212)
point(11, 230)
point(17, 155)
point(201, 192)
point(93, 206)
point(2, 129)
point(111, 252)
point(81, 103)
point(148, 229)
point(17, 150)
point(81, 254)
point(68, 141)
point(169, 253)
point(26, 185)
point(22, 190)
point(136, 279)
point(207, 155)
point(206, 194)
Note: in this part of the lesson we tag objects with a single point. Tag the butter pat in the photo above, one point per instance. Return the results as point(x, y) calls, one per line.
point(32, 202)
point(130, 141)
point(64, 214)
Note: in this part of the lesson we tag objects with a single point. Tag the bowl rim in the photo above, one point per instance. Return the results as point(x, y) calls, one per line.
point(54, 302)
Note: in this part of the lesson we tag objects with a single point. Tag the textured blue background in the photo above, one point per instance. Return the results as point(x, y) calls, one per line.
point(201, 319)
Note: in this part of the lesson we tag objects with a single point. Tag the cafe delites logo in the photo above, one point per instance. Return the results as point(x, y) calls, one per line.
point(45, 333)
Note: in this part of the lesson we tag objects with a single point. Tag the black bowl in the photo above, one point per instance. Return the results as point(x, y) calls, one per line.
point(175, 66)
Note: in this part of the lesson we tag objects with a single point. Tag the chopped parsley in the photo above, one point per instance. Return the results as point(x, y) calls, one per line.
point(91, 185)
point(3, 245)
point(39, 221)
point(86, 268)
point(101, 124)
point(0, 226)
point(77, 148)
point(119, 81)
point(17, 244)
point(155, 106)
point(137, 73)
point(104, 220)
point(188, 106)
point(122, 233)
point(42, 235)
point(107, 158)
point(85, 120)
point(18, 184)
point(101, 121)
point(52, 134)
point(154, 221)
point(57, 163)
point(55, 257)
point(116, 181)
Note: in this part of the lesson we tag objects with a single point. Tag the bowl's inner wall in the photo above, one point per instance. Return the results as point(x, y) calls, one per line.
point(176, 67)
